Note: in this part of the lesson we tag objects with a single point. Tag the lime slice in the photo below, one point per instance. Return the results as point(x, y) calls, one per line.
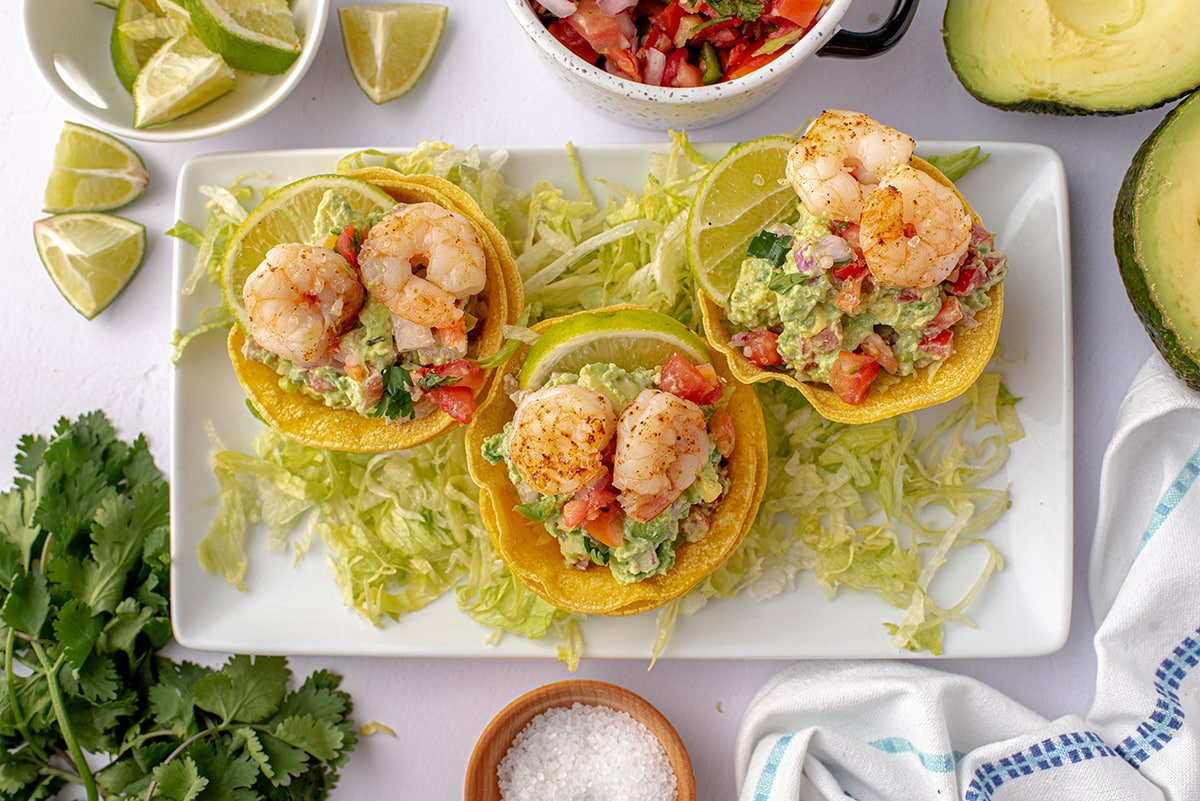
point(92, 171)
point(180, 77)
point(253, 35)
point(628, 338)
point(286, 215)
point(90, 256)
point(389, 46)
point(743, 194)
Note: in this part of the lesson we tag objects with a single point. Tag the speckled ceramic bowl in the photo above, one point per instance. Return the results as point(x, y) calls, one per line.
point(667, 107)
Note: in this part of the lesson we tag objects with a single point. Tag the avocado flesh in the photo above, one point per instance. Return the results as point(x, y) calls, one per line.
point(1156, 226)
point(1074, 56)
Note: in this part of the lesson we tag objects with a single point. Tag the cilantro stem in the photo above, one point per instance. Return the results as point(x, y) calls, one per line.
point(10, 679)
point(64, 724)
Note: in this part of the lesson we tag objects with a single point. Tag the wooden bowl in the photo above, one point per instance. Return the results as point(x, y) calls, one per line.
point(483, 784)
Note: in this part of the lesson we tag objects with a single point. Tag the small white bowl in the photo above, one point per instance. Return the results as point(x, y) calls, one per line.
point(69, 43)
point(660, 107)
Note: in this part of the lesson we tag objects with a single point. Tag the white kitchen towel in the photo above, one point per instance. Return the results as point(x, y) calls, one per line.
point(892, 731)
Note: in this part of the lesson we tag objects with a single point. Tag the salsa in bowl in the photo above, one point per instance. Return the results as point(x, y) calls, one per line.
point(663, 64)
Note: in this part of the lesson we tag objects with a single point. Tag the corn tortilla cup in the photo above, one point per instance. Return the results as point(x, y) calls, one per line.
point(533, 555)
point(927, 386)
point(309, 421)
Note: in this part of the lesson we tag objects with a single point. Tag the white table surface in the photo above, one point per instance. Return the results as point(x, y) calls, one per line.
point(487, 87)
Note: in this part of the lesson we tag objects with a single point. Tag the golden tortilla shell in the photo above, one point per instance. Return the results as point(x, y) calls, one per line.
point(973, 349)
point(533, 555)
point(309, 421)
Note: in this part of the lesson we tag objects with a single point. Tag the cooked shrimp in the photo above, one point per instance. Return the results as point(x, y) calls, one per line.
point(422, 261)
point(662, 445)
point(299, 300)
point(914, 230)
point(841, 156)
point(559, 438)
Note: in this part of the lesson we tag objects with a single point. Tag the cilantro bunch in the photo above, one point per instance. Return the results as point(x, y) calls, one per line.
point(85, 696)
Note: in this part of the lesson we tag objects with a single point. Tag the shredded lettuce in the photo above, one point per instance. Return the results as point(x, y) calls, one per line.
point(879, 508)
point(872, 508)
point(401, 528)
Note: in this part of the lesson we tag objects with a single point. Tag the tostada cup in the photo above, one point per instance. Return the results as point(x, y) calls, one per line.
point(533, 555)
point(310, 421)
point(925, 386)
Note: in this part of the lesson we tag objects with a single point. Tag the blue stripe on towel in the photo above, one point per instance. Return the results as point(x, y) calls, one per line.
point(766, 779)
point(1171, 498)
point(1153, 734)
point(1053, 752)
point(934, 763)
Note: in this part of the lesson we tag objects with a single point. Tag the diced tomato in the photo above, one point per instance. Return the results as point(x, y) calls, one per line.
point(969, 279)
point(597, 511)
point(938, 345)
point(949, 314)
point(760, 347)
point(725, 33)
point(879, 350)
point(752, 63)
point(456, 401)
point(852, 269)
point(721, 428)
point(668, 19)
point(608, 527)
point(699, 384)
point(801, 12)
point(658, 39)
point(468, 373)
point(598, 29)
point(851, 376)
point(570, 39)
point(347, 244)
point(620, 62)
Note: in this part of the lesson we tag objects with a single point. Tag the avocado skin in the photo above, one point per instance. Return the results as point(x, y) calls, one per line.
point(1142, 293)
point(978, 82)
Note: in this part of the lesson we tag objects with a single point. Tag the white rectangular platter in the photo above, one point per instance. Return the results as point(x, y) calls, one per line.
point(1020, 192)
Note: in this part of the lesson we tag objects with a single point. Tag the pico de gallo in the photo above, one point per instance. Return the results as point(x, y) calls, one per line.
point(679, 43)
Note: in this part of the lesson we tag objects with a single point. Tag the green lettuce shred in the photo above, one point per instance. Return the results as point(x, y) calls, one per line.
point(402, 528)
point(877, 508)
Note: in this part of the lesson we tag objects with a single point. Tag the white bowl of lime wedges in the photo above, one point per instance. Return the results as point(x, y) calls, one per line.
point(172, 70)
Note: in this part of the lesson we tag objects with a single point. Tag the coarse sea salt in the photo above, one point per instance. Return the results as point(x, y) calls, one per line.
point(586, 752)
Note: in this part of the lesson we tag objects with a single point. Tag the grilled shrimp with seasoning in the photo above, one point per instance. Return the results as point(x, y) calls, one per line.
point(423, 261)
point(299, 300)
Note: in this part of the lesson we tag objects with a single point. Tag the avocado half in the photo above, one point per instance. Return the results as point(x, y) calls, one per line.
point(1156, 230)
point(1074, 56)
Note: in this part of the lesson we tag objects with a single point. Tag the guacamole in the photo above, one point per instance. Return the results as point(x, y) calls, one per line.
point(644, 549)
point(804, 298)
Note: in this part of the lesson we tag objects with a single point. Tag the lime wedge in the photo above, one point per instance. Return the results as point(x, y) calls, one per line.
point(92, 171)
point(180, 77)
point(253, 35)
point(389, 45)
point(90, 256)
point(743, 194)
point(627, 338)
point(140, 27)
point(286, 215)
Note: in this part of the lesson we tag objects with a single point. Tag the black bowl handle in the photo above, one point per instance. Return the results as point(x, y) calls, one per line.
point(856, 44)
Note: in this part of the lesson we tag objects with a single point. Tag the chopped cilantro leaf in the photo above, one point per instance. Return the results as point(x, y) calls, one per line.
point(772, 247)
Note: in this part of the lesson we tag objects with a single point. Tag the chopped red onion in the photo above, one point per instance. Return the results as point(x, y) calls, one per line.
point(559, 8)
point(614, 7)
